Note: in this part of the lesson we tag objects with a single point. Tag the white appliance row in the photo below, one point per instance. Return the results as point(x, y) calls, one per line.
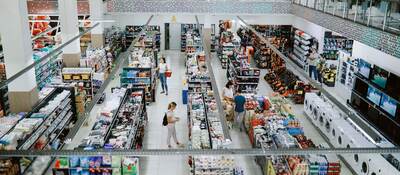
point(343, 134)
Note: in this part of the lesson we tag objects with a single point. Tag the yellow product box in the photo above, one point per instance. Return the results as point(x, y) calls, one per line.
point(67, 76)
point(76, 77)
point(85, 76)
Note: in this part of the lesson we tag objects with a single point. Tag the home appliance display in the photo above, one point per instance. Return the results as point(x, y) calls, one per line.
point(393, 86)
point(388, 104)
point(374, 95)
point(364, 68)
point(379, 76)
point(344, 134)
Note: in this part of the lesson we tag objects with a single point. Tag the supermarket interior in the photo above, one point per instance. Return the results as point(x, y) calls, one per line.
point(199, 87)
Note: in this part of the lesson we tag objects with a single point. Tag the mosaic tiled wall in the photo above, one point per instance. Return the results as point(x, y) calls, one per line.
point(197, 6)
point(386, 42)
point(51, 7)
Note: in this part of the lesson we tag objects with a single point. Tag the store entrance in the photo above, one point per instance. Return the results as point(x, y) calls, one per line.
point(174, 36)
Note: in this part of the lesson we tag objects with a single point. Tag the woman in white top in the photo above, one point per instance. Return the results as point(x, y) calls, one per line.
point(162, 67)
point(171, 124)
point(312, 64)
point(227, 93)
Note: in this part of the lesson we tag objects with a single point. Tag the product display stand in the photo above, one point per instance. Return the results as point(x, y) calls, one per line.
point(279, 36)
point(140, 77)
point(214, 40)
point(143, 61)
point(333, 44)
point(81, 78)
point(193, 43)
point(130, 120)
point(227, 50)
point(120, 128)
point(301, 48)
point(56, 109)
point(227, 45)
point(98, 61)
point(279, 128)
point(185, 28)
point(105, 121)
point(205, 129)
point(244, 77)
point(199, 135)
point(131, 32)
point(115, 41)
point(348, 67)
point(48, 69)
point(280, 79)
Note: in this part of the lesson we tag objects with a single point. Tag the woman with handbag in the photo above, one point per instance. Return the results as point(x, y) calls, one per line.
point(172, 119)
point(163, 68)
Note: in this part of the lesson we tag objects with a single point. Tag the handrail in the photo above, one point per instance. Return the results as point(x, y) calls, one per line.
point(192, 152)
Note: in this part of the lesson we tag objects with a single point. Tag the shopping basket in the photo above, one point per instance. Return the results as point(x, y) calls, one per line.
point(168, 74)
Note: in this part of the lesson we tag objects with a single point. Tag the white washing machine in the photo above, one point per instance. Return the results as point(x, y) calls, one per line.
point(361, 163)
point(308, 105)
point(342, 131)
point(343, 135)
point(384, 167)
point(330, 124)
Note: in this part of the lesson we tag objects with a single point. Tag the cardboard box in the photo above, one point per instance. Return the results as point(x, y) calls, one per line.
point(80, 108)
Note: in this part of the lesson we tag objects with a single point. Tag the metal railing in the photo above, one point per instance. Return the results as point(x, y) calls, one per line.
point(359, 11)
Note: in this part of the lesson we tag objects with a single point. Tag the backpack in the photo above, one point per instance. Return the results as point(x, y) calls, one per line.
point(165, 120)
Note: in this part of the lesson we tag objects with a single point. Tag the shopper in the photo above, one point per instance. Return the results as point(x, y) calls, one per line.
point(240, 100)
point(227, 93)
point(320, 69)
point(312, 64)
point(172, 119)
point(163, 67)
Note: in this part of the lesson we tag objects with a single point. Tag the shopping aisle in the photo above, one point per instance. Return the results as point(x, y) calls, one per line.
point(239, 139)
point(156, 134)
point(84, 131)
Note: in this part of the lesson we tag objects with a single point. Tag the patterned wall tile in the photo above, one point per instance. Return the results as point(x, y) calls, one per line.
point(196, 6)
point(383, 41)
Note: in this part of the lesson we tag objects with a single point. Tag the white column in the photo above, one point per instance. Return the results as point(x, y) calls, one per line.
point(68, 11)
point(17, 48)
point(207, 21)
point(96, 15)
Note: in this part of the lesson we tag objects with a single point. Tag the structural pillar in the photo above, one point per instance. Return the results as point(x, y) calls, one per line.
point(207, 31)
point(96, 14)
point(68, 10)
point(17, 48)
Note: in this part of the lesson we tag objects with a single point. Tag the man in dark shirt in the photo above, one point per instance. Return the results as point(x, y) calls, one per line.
point(240, 100)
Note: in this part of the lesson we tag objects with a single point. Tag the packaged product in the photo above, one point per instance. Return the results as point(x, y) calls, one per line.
point(84, 162)
point(74, 162)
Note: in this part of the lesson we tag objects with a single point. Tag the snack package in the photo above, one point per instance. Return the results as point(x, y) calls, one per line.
point(74, 162)
point(84, 162)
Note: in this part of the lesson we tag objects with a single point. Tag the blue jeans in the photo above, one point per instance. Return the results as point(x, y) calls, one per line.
point(312, 70)
point(163, 80)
